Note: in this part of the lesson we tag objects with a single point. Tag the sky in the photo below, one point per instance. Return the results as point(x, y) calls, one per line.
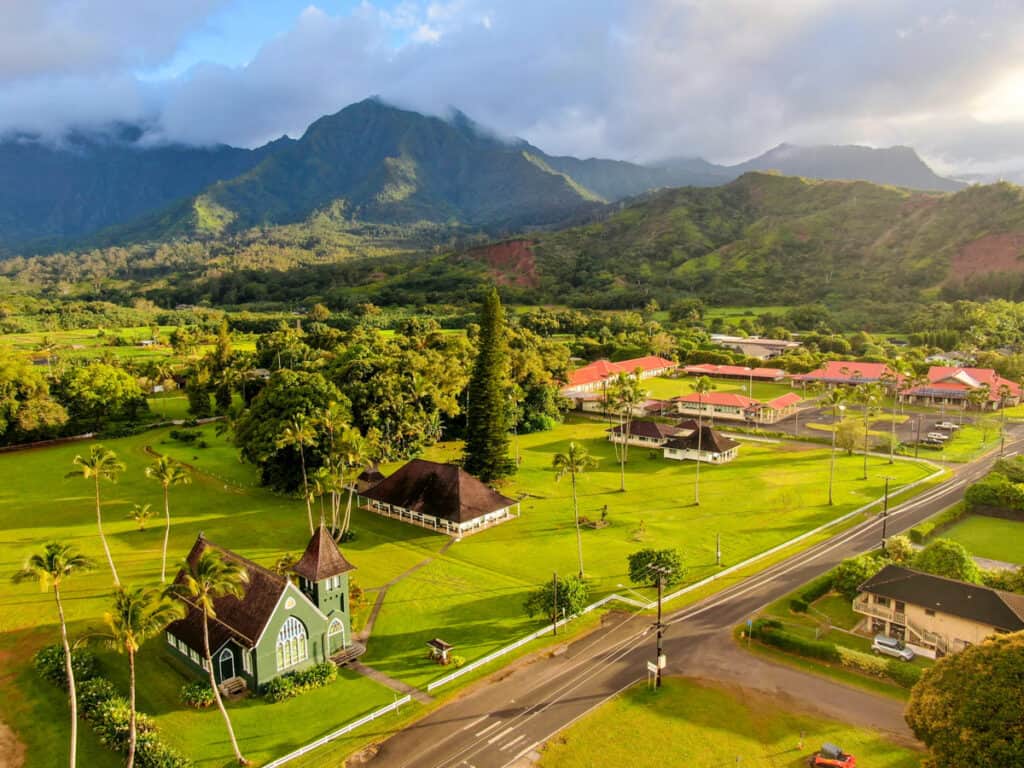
point(638, 80)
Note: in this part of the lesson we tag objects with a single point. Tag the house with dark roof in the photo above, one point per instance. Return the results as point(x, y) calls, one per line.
point(704, 444)
point(278, 625)
point(442, 497)
point(933, 613)
point(644, 433)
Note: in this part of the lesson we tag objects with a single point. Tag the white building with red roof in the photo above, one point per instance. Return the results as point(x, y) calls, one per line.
point(589, 383)
point(846, 373)
point(951, 385)
point(735, 407)
point(736, 372)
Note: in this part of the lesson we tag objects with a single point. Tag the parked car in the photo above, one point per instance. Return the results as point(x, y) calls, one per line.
point(831, 756)
point(937, 436)
point(890, 646)
point(947, 425)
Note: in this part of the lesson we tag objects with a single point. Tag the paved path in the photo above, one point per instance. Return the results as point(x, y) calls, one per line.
point(498, 723)
point(396, 685)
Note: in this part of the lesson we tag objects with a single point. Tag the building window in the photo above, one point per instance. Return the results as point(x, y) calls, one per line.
point(247, 661)
point(171, 641)
point(881, 600)
point(292, 644)
point(929, 612)
point(195, 657)
point(182, 647)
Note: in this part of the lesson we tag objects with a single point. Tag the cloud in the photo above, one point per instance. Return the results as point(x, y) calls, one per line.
point(723, 79)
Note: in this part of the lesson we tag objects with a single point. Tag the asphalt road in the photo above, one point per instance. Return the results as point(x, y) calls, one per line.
point(503, 720)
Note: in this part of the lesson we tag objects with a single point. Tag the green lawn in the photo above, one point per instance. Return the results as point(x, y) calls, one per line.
point(471, 596)
point(701, 725)
point(664, 388)
point(967, 443)
point(990, 537)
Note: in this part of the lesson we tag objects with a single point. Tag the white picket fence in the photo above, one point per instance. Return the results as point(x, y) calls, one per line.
point(347, 728)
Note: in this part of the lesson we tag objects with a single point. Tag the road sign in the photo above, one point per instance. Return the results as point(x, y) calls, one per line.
point(652, 667)
point(662, 662)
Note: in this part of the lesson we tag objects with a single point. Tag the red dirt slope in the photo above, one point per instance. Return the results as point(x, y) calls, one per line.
point(511, 262)
point(992, 253)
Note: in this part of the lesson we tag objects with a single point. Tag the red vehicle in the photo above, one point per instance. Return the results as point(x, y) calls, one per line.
point(831, 756)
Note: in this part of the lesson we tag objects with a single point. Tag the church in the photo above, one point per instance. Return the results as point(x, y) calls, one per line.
point(279, 625)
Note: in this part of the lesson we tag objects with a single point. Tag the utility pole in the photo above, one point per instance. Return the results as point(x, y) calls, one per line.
point(917, 441)
point(718, 549)
point(885, 511)
point(554, 612)
point(660, 662)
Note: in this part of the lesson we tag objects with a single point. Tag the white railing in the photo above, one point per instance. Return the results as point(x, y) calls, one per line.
point(347, 728)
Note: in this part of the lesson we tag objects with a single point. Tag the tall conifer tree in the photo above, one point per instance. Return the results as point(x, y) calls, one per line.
point(488, 411)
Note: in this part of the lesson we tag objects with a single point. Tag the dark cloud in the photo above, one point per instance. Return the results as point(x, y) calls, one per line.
point(723, 79)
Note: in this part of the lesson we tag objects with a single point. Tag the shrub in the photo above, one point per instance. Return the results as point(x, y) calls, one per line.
point(995, 490)
point(862, 662)
point(280, 688)
point(198, 694)
point(770, 633)
point(187, 436)
point(458, 661)
point(920, 532)
point(316, 676)
point(798, 605)
point(49, 663)
point(853, 572)
point(152, 752)
point(903, 674)
point(820, 587)
point(110, 721)
point(92, 693)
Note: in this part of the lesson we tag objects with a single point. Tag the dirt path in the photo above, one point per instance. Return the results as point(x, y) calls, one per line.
point(12, 751)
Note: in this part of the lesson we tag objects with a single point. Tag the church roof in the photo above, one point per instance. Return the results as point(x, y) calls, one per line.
point(322, 558)
point(241, 619)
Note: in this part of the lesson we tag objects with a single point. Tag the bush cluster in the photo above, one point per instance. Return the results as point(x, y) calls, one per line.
point(197, 694)
point(863, 662)
point(108, 713)
point(820, 587)
point(770, 632)
point(49, 663)
point(903, 674)
point(995, 490)
point(297, 683)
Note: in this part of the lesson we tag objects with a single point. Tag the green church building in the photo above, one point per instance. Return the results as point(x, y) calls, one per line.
point(279, 625)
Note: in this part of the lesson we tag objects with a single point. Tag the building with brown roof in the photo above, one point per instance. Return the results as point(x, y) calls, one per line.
point(277, 626)
point(442, 497)
point(644, 433)
point(936, 614)
point(704, 444)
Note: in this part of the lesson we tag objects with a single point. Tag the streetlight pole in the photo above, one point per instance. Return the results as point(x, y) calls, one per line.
point(554, 612)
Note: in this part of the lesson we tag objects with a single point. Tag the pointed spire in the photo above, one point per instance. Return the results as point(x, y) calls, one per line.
point(322, 558)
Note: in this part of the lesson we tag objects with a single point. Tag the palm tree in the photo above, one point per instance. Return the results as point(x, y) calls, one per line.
point(702, 386)
point(167, 472)
point(835, 399)
point(136, 615)
point(300, 433)
point(140, 513)
point(624, 395)
point(356, 452)
point(100, 464)
point(890, 380)
point(49, 568)
point(575, 462)
point(201, 583)
point(868, 395)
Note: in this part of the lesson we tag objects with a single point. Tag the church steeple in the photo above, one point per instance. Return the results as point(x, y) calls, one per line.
point(322, 572)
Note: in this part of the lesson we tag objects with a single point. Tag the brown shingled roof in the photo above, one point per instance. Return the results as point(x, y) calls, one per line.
point(440, 490)
point(242, 620)
point(1003, 610)
point(710, 441)
point(322, 558)
point(646, 428)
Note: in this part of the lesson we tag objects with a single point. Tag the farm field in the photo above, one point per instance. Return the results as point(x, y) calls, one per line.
point(471, 595)
point(701, 725)
point(990, 537)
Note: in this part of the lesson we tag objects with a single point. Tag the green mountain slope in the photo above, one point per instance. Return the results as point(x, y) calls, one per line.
point(377, 163)
point(769, 239)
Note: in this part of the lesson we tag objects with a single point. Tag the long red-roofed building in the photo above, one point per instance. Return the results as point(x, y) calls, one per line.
point(736, 372)
point(846, 373)
point(950, 385)
point(735, 407)
point(594, 376)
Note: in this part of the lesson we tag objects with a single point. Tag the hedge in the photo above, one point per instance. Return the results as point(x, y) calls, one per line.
point(297, 683)
point(995, 490)
point(770, 633)
point(903, 673)
point(863, 662)
point(197, 694)
point(921, 532)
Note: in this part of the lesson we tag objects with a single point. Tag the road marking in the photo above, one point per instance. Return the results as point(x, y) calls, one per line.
point(501, 735)
point(512, 743)
point(522, 752)
point(490, 727)
point(470, 725)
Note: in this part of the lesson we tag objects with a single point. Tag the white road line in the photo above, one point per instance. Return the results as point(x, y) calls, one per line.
point(470, 725)
point(501, 735)
point(512, 743)
point(525, 751)
point(490, 727)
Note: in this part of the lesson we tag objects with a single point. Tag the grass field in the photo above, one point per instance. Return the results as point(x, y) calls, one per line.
point(665, 388)
point(471, 596)
point(701, 725)
point(990, 537)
